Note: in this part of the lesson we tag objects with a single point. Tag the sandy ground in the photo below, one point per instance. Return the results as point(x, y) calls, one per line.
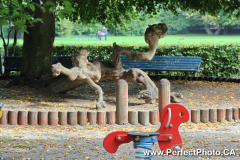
point(86, 142)
point(197, 94)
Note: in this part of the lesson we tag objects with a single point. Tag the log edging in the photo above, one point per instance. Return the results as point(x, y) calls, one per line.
point(23, 117)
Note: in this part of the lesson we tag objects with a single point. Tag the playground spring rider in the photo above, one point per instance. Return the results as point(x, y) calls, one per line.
point(167, 136)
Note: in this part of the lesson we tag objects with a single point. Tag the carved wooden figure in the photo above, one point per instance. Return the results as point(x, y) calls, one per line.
point(85, 72)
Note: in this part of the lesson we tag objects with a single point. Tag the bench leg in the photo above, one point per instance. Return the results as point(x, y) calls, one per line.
point(186, 74)
point(1, 64)
point(196, 74)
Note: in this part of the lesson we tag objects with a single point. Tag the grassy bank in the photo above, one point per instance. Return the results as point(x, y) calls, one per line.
point(169, 39)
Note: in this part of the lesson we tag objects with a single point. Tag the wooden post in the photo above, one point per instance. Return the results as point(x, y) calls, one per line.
point(13, 117)
point(22, 117)
point(133, 117)
point(204, 115)
point(235, 113)
point(111, 117)
point(72, 117)
point(43, 117)
point(221, 115)
point(163, 94)
point(143, 117)
point(33, 117)
point(122, 102)
point(195, 116)
point(229, 114)
point(53, 118)
point(62, 115)
point(154, 117)
point(213, 115)
point(4, 118)
point(92, 117)
point(82, 118)
point(101, 117)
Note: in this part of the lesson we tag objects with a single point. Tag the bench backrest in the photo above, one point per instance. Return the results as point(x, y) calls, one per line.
point(14, 63)
point(64, 60)
point(164, 63)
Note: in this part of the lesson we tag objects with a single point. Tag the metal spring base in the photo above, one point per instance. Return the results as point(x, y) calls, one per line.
point(145, 143)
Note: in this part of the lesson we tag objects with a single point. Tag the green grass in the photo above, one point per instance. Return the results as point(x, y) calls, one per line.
point(169, 39)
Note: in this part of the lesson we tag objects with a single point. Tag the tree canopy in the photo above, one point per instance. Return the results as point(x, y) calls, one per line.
point(16, 13)
point(111, 13)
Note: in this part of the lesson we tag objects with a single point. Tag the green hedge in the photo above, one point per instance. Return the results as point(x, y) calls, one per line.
point(221, 60)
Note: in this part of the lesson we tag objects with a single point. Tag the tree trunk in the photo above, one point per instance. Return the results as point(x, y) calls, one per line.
point(225, 29)
point(14, 43)
point(218, 30)
point(207, 29)
point(38, 45)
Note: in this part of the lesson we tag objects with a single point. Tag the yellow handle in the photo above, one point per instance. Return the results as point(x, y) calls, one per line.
point(0, 112)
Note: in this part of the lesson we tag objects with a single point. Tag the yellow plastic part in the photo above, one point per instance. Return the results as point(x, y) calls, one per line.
point(0, 112)
point(1, 105)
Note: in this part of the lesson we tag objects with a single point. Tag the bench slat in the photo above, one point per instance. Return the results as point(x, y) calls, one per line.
point(164, 63)
point(158, 63)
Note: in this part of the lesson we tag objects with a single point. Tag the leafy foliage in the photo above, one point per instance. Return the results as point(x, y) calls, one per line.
point(15, 14)
point(220, 21)
point(176, 24)
point(114, 13)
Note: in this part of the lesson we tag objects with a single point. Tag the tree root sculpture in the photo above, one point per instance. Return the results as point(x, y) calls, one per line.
point(149, 91)
point(85, 72)
point(82, 70)
point(152, 35)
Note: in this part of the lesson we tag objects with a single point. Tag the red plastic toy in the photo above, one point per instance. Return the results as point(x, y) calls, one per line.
point(168, 136)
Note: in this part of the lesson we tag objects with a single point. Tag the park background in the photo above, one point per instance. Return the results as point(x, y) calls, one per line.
point(187, 27)
point(206, 35)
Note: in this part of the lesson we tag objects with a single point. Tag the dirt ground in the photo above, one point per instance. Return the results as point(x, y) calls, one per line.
point(197, 94)
point(86, 142)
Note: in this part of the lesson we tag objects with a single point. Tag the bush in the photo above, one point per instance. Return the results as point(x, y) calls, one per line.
point(221, 60)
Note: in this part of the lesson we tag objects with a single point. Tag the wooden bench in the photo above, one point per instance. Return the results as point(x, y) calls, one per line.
point(158, 63)
point(14, 63)
point(164, 63)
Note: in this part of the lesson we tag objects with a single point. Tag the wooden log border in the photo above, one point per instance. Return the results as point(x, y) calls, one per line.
point(15, 117)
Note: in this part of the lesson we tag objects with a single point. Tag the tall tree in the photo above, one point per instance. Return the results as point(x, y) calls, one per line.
point(218, 22)
point(38, 44)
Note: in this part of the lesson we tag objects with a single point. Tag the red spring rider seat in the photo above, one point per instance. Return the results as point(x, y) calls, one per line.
point(167, 136)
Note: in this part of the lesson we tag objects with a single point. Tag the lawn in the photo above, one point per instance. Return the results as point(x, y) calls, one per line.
point(169, 39)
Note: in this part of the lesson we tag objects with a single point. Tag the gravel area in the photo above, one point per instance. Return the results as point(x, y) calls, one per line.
point(197, 94)
point(86, 142)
